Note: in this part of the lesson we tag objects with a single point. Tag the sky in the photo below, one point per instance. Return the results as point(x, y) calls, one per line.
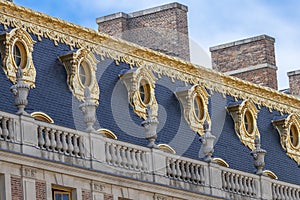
point(211, 22)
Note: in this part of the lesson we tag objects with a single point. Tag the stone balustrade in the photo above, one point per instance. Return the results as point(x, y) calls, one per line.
point(63, 142)
point(24, 135)
point(239, 183)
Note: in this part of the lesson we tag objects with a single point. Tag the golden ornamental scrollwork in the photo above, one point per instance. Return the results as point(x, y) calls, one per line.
point(81, 67)
point(140, 84)
point(194, 101)
point(137, 56)
point(289, 131)
point(244, 115)
point(16, 50)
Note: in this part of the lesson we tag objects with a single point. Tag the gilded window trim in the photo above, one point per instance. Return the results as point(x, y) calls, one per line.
point(166, 148)
point(186, 97)
point(71, 63)
point(283, 127)
point(107, 133)
point(8, 40)
point(131, 80)
point(237, 113)
point(44, 116)
point(221, 162)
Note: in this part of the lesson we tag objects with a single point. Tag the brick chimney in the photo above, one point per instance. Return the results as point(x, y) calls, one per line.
point(251, 59)
point(294, 81)
point(163, 28)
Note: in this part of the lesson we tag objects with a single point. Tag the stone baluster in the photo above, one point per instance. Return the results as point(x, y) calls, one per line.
point(195, 174)
point(202, 175)
point(70, 145)
point(178, 170)
point(183, 170)
point(108, 153)
point(64, 142)
point(134, 160)
point(241, 186)
point(41, 140)
point(138, 158)
point(173, 164)
point(169, 168)
point(236, 183)
point(1, 127)
point(118, 155)
point(4, 128)
point(76, 145)
point(81, 147)
point(188, 172)
point(20, 91)
point(113, 154)
point(123, 156)
point(52, 140)
point(224, 181)
point(11, 129)
point(58, 141)
point(274, 192)
point(128, 156)
point(47, 138)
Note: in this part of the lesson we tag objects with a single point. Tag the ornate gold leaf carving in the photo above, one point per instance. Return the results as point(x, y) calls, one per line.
point(8, 41)
point(244, 116)
point(187, 98)
point(132, 80)
point(72, 61)
point(134, 55)
point(283, 127)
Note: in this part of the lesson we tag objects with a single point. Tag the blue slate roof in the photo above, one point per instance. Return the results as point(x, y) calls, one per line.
point(53, 97)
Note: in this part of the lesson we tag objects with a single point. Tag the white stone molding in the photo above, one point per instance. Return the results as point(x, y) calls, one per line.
point(72, 62)
point(18, 38)
point(195, 113)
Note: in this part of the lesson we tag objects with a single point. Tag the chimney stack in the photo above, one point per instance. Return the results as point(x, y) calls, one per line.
point(294, 81)
point(163, 28)
point(251, 59)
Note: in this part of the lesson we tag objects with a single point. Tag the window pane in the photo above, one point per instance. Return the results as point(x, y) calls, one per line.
point(66, 197)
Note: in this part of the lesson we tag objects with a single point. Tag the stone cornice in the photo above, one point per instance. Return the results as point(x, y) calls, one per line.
point(134, 55)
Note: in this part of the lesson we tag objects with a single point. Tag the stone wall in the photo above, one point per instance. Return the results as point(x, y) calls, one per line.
point(162, 28)
point(294, 82)
point(251, 59)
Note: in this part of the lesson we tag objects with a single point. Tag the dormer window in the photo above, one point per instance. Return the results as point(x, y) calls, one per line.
point(81, 69)
point(244, 115)
point(289, 131)
point(140, 84)
point(16, 52)
point(194, 101)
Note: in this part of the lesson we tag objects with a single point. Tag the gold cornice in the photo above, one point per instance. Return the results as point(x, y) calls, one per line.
point(134, 55)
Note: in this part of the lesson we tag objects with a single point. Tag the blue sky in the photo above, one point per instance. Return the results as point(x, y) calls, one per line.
point(211, 22)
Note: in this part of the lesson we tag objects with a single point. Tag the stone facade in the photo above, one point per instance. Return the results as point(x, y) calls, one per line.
point(294, 82)
point(251, 59)
point(163, 28)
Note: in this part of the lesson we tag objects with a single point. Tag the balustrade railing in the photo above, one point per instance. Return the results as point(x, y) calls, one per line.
point(184, 170)
point(284, 192)
point(7, 128)
point(239, 184)
point(121, 155)
point(54, 139)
